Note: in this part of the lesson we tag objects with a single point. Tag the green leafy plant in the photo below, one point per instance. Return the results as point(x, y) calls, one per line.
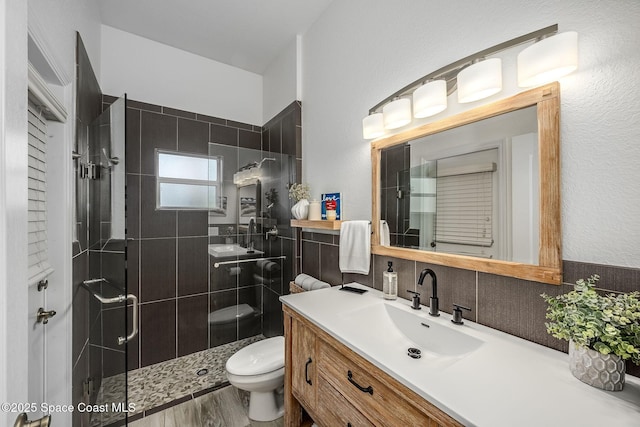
point(605, 323)
point(298, 192)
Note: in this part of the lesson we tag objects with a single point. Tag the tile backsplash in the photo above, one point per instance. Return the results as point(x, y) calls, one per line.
point(510, 305)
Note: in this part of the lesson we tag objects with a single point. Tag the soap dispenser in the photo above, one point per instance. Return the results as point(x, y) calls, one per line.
point(390, 283)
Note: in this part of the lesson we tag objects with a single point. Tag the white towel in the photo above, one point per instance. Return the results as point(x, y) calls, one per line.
point(309, 283)
point(385, 240)
point(355, 247)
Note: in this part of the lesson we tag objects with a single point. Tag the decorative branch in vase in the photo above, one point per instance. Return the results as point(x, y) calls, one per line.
point(300, 194)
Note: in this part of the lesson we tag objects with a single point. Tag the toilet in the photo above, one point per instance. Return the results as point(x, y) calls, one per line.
point(259, 369)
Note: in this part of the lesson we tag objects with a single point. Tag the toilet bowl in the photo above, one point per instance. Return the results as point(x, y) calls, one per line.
point(259, 369)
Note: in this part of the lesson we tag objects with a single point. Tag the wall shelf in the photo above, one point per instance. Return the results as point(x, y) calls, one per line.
point(320, 224)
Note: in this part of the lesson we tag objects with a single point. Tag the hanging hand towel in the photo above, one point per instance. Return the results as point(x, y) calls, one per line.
point(385, 239)
point(355, 247)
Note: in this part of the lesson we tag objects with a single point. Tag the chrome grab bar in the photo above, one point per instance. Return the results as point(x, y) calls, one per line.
point(218, 264)
point(114, 300)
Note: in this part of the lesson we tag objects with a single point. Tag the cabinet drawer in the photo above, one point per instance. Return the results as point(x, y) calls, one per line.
point(334, 410)
point(362, 384)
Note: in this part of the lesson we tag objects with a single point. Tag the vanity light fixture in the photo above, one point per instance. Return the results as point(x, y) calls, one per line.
point(430, 98)
point(552, 56)
point(397, 113)
point(372, 126)
point(548, 60)
point(480, 80)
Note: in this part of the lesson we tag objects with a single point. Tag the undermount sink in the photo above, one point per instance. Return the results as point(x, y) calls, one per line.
point(229, 250)
point(394, 324)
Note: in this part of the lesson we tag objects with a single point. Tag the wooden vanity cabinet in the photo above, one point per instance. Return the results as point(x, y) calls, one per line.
point(304, 377)
point(341, 388)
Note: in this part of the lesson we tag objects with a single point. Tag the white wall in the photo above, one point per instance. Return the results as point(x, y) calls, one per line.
point(361, 51)
point(159, 74)
point(13, 206)
point(56, 23)
point(280, 81)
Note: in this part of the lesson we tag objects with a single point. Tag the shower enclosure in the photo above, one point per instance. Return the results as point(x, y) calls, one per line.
point(102, 176)
point(188, 226)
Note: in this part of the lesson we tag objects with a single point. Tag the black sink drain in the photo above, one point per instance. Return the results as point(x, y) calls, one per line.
point(202, 372)
point(414, 353)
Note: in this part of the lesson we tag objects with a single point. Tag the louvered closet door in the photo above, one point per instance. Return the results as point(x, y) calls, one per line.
point(39, 266)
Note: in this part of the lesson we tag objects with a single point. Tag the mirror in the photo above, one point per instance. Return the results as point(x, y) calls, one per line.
point(478, 190)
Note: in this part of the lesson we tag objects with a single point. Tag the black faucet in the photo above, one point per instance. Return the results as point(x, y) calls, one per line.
point(433, 301)
point(251, 230)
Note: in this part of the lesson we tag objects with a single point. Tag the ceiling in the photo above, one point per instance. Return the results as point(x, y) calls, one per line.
point(247, 34)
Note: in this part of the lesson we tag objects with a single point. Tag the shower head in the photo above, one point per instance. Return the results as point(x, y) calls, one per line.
point(271, 159)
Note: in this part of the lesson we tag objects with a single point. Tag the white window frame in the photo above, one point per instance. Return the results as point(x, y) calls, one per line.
point(216, 183)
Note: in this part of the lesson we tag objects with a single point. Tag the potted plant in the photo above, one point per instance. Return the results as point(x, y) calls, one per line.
point(300, 194)
point(603, 332)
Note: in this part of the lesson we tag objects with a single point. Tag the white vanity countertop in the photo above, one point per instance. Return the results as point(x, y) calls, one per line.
point(507, 381)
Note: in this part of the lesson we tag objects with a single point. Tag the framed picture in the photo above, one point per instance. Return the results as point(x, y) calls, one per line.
point(331, 201)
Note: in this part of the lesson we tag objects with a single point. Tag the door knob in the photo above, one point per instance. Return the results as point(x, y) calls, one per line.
point(43, 316)
point(23, 421)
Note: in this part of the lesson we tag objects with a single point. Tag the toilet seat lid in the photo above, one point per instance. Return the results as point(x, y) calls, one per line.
point(258, 358)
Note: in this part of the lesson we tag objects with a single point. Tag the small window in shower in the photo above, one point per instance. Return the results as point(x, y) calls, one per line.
point(188, 181)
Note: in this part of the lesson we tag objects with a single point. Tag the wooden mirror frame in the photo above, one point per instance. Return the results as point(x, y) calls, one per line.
point(549, 268)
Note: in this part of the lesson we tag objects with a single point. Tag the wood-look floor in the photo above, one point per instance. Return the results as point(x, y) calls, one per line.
point(222, 408)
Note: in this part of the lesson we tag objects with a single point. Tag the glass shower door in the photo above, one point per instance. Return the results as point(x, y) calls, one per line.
point(108, 311)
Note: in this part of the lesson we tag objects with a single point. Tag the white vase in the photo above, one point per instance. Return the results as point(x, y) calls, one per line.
point(605, 371)
point(301, 209)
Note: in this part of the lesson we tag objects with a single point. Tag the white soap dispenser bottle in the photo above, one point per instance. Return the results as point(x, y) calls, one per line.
point(390, 283)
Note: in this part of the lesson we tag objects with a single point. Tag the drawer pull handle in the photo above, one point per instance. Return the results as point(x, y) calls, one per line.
point(362, 389)
point(306, 371)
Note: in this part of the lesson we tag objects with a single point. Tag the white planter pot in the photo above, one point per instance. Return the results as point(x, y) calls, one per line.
point(605, 371)
point(301, 209)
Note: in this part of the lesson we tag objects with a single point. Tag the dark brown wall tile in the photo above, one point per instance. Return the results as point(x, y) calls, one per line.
point(193, 136)
point(515, 306)
point(192, 324)
point(222, 333)
point(252, 325)
point(406, 270)
point(157, 132)
point(157, 269)
point(272, 318)
point(155, 223)
point(224, 135)
point(113, 326)
point(132, 209)
point(178, 113)
point(193, 223)
point(274, 144)
point(193, 269)
point(249, 139)
point(144, 106)
point(612, 278)
point(289, 134)
point(455, 286)
point(329, 265)
point(311, 259)
point(132, 147)
point(157, 332)
point(216, 120)
point(239, 125)
point(133, 267)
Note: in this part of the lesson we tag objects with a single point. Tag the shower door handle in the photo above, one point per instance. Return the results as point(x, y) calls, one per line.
point(134, 321)
point(23, 421)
